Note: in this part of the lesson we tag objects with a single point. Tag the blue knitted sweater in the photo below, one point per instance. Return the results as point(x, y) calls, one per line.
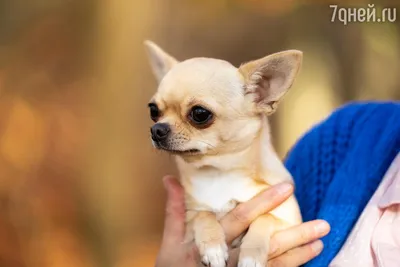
point(338, 165)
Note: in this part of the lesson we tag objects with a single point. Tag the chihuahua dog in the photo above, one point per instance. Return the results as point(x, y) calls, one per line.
point(214, 118)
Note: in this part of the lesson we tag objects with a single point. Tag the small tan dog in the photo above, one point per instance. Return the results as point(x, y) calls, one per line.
point(213, 117)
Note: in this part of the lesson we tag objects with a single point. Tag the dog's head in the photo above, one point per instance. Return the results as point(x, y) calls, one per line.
point(207, 106)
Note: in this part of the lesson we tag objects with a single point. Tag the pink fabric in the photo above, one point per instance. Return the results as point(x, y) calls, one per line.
point(375, 239)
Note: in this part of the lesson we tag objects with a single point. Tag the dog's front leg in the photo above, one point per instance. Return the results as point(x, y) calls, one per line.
point(255, 244)
point(209, 238)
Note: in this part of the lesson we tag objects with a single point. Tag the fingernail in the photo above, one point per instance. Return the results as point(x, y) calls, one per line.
point(167, 180)
point(317, 246)
point(283, 188)
point(322, 228)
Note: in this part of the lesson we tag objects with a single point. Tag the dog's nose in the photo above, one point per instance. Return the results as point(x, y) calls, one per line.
point(160, 131)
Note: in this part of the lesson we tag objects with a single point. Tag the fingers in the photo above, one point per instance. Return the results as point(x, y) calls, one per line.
point(292, 258)
point(297, 256)
point(238, 220)
point(296, 236)
point(174, 227)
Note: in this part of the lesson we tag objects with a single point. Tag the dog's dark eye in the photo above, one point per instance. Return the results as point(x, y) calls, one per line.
point(154, 112)
point(200, 115)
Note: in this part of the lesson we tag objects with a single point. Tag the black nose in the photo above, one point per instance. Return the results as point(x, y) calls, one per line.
point(160, 131)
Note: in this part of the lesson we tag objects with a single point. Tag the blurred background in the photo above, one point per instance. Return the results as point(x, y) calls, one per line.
point(80, 184)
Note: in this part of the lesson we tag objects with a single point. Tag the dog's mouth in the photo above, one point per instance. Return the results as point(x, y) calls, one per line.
point(181, 152)
point(177, 152)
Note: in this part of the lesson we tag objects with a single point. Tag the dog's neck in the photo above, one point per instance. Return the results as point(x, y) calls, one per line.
point(257, 159)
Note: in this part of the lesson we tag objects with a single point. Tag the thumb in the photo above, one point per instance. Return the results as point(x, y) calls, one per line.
point(174, 227)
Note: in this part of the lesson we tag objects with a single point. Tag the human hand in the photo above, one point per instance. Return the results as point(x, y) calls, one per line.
point(289, 248)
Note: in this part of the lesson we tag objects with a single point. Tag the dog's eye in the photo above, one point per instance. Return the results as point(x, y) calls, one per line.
point(200, 115)
point(154, 112)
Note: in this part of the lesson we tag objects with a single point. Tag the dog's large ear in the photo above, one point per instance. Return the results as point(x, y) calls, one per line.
point(160, 61)
point(269, 78)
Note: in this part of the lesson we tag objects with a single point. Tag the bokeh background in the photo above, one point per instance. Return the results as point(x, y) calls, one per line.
point(80, 184)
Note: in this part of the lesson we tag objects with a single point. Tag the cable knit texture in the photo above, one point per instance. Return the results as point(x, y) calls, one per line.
point(338, 165)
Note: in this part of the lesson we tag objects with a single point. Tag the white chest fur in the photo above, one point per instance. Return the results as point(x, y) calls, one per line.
point(220, 192)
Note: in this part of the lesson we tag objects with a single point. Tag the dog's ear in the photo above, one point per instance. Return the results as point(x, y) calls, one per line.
point(160, 61)
point(269, 78)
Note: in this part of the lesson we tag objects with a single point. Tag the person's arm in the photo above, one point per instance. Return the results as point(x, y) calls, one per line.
point(338, 164)
point(289, 248)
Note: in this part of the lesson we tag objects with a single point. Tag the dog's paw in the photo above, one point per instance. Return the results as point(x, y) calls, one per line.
point(252, 257)
point(250, 262)
point(215, 255)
